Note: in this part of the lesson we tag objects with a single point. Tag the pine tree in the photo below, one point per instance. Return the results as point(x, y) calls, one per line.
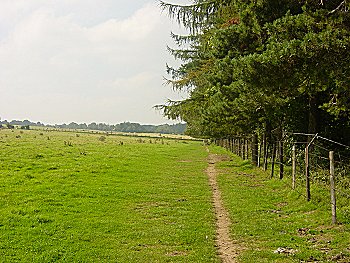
point(259, 65)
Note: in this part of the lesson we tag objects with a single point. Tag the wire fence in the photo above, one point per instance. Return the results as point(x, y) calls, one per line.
point(316, 168)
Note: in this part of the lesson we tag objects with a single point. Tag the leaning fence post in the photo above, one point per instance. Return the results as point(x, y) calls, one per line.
point(333, 199)
point(293, 166)
point(307, 167)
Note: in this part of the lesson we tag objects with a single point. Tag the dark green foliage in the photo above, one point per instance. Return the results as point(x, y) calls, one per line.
point(263, 64)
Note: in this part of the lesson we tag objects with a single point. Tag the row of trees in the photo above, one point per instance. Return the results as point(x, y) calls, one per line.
point(178, 128)
point(127, 127)
point(21, 123)
point(259, 66)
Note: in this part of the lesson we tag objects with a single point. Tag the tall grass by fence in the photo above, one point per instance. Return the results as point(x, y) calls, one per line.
point(306, 162)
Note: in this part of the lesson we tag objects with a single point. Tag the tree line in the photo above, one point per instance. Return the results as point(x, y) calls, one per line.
point(178, 128)
point(262, 67)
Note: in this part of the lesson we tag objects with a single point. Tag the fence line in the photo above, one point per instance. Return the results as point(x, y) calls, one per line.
point(307, 162)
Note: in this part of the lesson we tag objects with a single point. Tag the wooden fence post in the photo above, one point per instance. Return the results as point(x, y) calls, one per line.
point(235, 145)
point(307, 173)
point(266, 154)
point(333, 198)
point(273, 156)
point(293, 166)
point(246, 149)
point(239, 147)
point(255, 150)
point(280, 153)
point(243, 149)
point(259, 152)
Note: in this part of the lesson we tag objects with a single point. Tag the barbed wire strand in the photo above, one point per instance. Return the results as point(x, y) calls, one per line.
point(338, 143)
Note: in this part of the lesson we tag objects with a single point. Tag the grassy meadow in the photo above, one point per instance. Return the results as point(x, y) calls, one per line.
point(92, 197)
point(73, 197)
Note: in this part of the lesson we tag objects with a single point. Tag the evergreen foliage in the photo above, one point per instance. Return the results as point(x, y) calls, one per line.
point(258, 66)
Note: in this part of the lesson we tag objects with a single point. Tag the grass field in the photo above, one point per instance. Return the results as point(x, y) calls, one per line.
point(69, 197)
point(80, 197)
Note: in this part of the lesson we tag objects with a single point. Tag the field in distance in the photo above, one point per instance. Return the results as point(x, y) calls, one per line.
point(130, 134)
point(82, 197)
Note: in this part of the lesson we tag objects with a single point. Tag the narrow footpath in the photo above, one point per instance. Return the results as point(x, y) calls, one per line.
point(227, 249)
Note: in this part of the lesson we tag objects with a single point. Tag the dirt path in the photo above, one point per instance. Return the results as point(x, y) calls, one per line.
point(227, 249)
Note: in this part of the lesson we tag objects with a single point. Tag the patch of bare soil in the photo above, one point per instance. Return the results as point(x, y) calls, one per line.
point(228, 250)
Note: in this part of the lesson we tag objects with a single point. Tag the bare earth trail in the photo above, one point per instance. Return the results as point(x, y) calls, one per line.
point(228, 250)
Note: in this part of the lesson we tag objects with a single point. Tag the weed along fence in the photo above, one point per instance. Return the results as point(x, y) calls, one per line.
point(316, 168)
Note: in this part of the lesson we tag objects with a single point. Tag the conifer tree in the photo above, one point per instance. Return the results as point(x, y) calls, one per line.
point(260, 65)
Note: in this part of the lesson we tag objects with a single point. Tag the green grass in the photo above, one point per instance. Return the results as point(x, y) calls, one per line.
point(267, 214)
point(103, 200)
point(80, 197)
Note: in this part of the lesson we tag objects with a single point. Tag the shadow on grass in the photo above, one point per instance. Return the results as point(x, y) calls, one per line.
point(242, 165)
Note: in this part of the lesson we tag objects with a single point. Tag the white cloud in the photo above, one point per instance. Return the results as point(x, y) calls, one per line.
point(53, 68)
point(135, 28)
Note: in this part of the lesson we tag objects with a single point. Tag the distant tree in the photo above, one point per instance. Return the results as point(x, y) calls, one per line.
point(26, 123)
point(93, 126)
point(82, 126)
point(73, 125)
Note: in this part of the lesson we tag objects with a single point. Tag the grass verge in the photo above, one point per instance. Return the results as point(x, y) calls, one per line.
point(269, 217)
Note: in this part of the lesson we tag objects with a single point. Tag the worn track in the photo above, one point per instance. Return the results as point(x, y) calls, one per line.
point(228, 250)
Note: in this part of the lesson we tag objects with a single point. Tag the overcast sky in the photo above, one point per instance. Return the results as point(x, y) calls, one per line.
point(83, 60)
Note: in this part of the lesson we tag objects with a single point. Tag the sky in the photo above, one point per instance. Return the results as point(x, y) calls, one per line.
point(84, 61)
